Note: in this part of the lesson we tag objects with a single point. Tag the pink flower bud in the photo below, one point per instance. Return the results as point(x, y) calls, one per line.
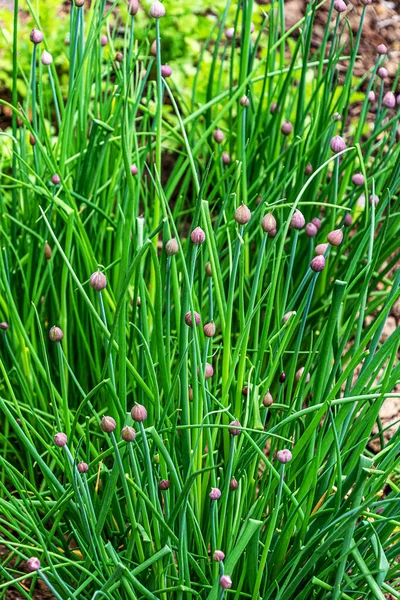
point(381, 49)
point(335, 237)
point(164, 485)
point(197, 236)
point(371, 96)
point(348, 220)
point(98, 281)
point(133, 7)
point(103, 40)
point(134, 170)
point(225, 582)
point(235, 428)
point(318, 263)
point(244, 101)
point(33, 564)
point(209, 371)
point(267, 400)
point(138, 413)
point(82, 467)
point(166, 71)
point(321, 249)
point(230, 33)
point(209, 329)
point(373, 199)
point(55, 179)
point(189, 320)
point(273, 107)
point(317, 222)
point(339, 5)
point(215, 494)
point(297, 221)
point(233, 484)
point(172, 247)
point(46, 58)
point(287, 316)
point(226, 159)
point(242, 215)
point(309, 169)
point(3, 326)
point(338, 144)
point(108, 424)
point(358, 179)
point(268, 223)
point(382, 72)
point(36, 36)
point(157, 10)
point(299, 375)
point(56, 334)
point(389, 100)
point(218, 136)
point(60, 439)
point(286, 128)
point(218, 556)
point(128, 434)
point(284, 456)
point(311, 230)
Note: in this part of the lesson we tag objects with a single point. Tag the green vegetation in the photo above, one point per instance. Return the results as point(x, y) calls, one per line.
point(250, 432)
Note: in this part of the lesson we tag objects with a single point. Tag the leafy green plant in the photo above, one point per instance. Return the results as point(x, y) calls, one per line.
point(189, 385)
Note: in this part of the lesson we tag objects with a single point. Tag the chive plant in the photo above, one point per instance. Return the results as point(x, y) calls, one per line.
point(193, 297)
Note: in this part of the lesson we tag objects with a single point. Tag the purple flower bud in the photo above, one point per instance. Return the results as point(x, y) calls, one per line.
point(189, 320)
point(273, 107)
point(316, 222)
point(36, 36)
point(389, 100)
point(46, 58)
point(373, 199)
point(339, 5)
point(103, 40)
point(218, 556)
point(153, 48)
point(82, 467)
point(233, 485)
point(398, 100)
point(209, 329)
point(119, 57)
point(235, 428)
point(60, 439)
point(133, 7)
point(138, 413)
point(335, 237)
point(282, 377)
point(272, 233)
point(56, 334)
point(218, 136)
point(157, 10)
point(108, 424)
point(209, 371)
point(381, 49)
point(297, 221)
point(4, 326)
point(230, 33)
point(226, 159)
point(338, 144)
point(197, 236)
point(225, 582)
point(128, 434)
point(309, 169)
point(55, 179)
point(172, 247)
point(311, 230)
point(286, 128)
point(299, 375)
point(98, 281)
point(358, 179)
point(164, 485)
point(348, 220)
point(284, 456)
point(242, 215)
point(268, 223)
point(134, 170)
point(267, 400)
point(287, 316)
point(244, 100)
point(382, 72)
point(321, 249)
point(33, 564)
point(371, 96)
point(318, 263)
point(166, 71)
point(215, 494)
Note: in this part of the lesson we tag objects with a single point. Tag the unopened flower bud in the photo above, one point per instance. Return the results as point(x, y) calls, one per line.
point(47, 251)
point(172, 247)
point(286, 128)
point(317, 222)
point(230, 33)
point(103, 40)
point(284, 456)
point(79, 3)
point(33, 564)
point(36, 36)
point(299, 375)
point(60, 439)
point(225, 582)
point(82, 467)
point(297, 221)
point(218, 556)
point(311, 230)
point(218, 136)
point(128, 434)
point(3, 326)
point(242, 214)
point(358, 179)
point(164, 485)
point(338, 144)
point(335, 238)
point(235, 427)
point(373, 199)
point(371, 96)
point(209, 371)
point(190, 393)
point(337, 116)
point(157, 10)
point(138, 413)
point(208, 269)
point(46, 58)
point(108, 424)
point(282, 377)
point(134, 170)
point(382, 72)
point(244, 101)
point(287, 316)
point(268, 223)
point(166, 71)
point(133, 7)
point(318, 263)
point(273, 107)
point(381, 49)
point(189, 319)
point(32, 139)
point(209, 329)
point(348, 220)
point(153, 48)
point(98, 281)
point(321, 249)
point(233, 484)
point(56, 334)
point(215, 494)
point(309, 169)
point(197, 236)
point(55, 179)
point(389, 100)
point(267, 400)
point(339, 5)
point(226, 159)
